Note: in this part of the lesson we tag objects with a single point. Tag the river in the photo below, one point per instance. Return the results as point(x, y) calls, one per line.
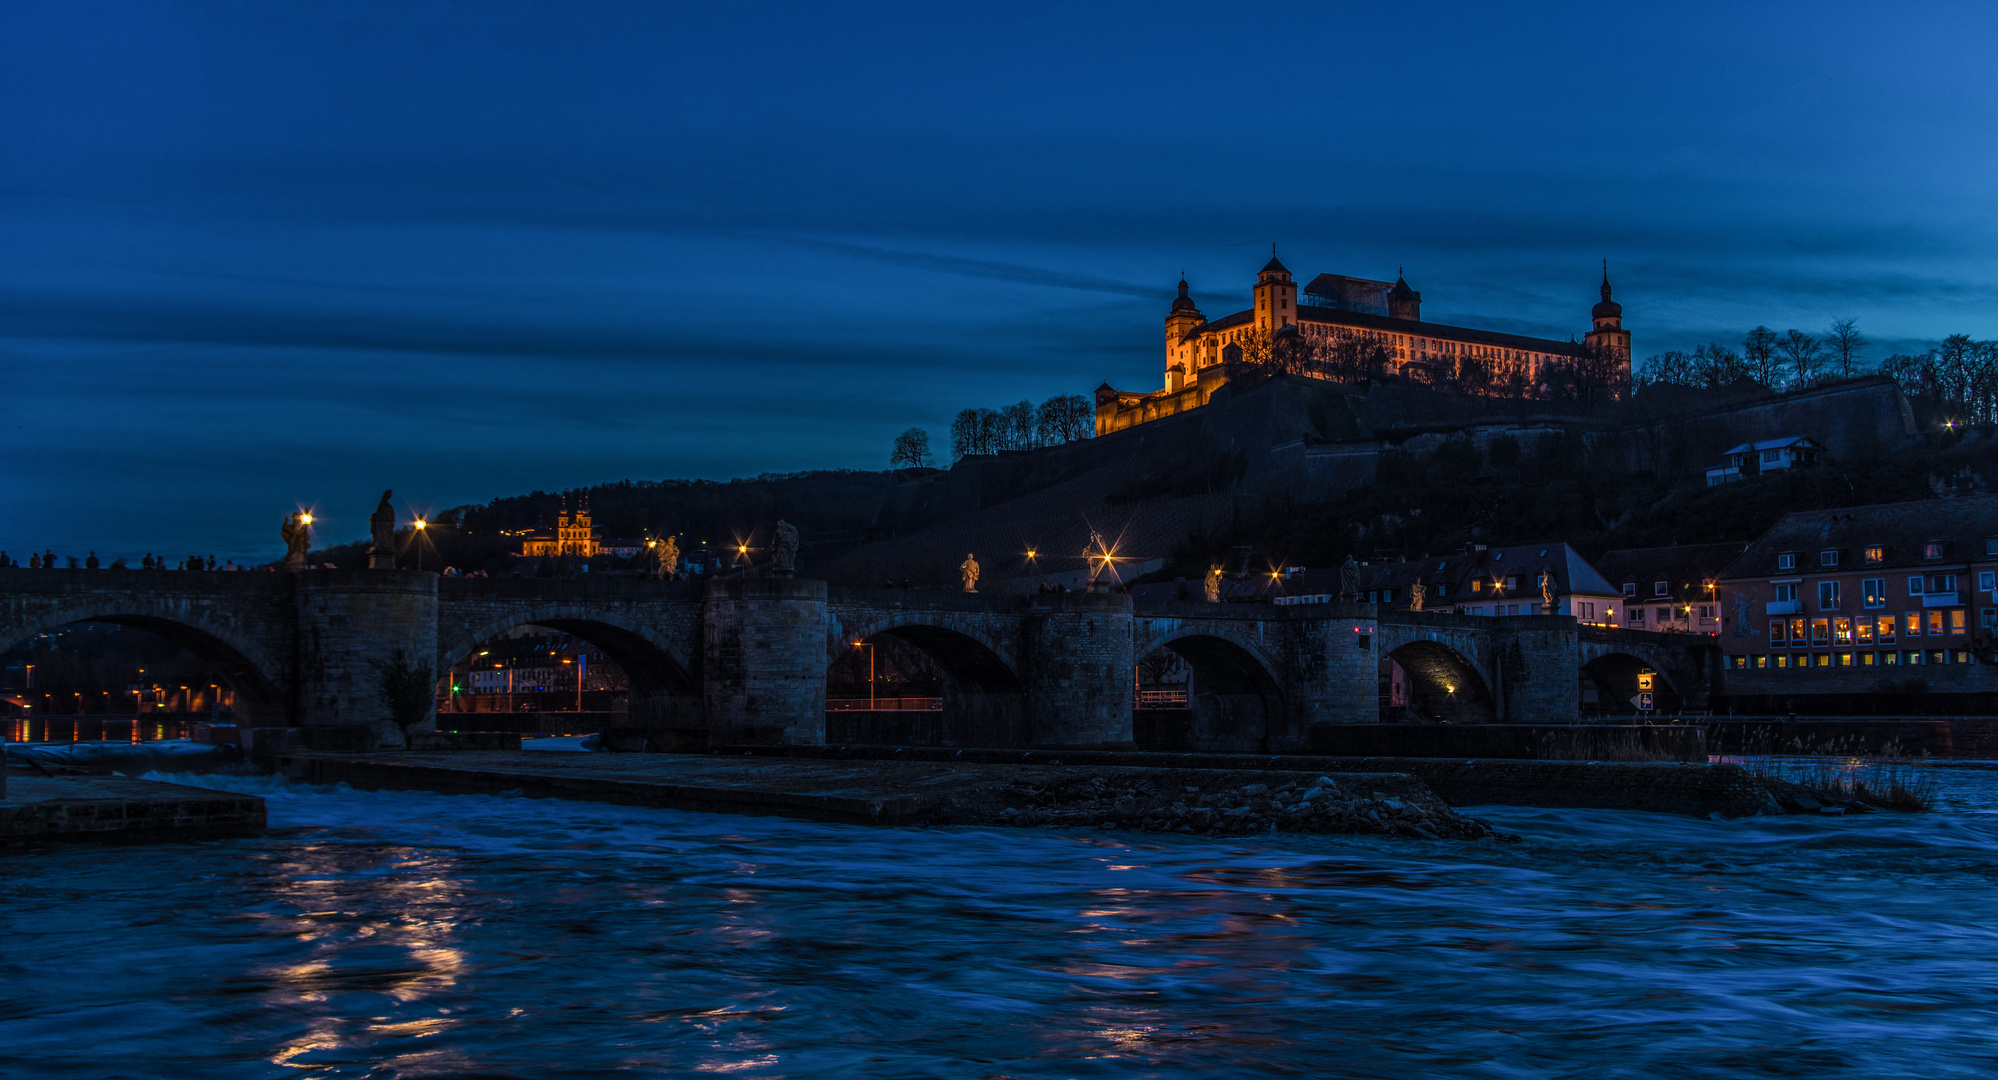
point(414, 935)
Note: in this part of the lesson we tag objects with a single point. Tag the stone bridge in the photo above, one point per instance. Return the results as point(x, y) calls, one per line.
point(746, 661)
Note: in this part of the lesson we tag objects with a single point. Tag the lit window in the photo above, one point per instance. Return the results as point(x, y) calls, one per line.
point(1935, 623)
point(1875, 592)
point(1958, 620)
point(1932, 550)
point(1876, 554)
point(1913, 624)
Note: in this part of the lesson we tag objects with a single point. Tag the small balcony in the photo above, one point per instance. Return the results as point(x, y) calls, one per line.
point(1942, 599)
point(1784, 607)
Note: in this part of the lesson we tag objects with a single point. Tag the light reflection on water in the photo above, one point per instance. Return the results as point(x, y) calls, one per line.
point(406, 934)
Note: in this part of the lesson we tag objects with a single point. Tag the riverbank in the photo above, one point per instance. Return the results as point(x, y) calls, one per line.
point(1208, 794)
point(1207, 801)
point(43, 808)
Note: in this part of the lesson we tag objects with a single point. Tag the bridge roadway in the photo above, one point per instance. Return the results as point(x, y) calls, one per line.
point(746, 661)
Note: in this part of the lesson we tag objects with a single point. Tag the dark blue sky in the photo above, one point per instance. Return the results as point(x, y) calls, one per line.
point(260, 254)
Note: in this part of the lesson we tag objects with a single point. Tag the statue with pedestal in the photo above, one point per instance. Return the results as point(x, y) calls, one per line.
point(669, 559)
point(969, 568)
point(784, 556)
point(1349, 579)
point(1416, 592)
point(1213, 583)
point(297, 533)
point(381, 534)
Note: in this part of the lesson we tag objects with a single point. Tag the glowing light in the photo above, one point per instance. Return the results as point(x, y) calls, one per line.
point(306, 518)
point(421, 524)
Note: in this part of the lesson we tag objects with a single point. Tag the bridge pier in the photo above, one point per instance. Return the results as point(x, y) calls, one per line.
point(351, 626)
point(1079, 669)
point(763, 653)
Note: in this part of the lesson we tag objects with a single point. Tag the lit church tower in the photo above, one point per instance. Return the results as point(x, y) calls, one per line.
point(1276, 298)
point(1180, 362)
point(1609, 334)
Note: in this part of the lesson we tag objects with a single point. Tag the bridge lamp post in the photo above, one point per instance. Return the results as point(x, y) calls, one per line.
point(870, 672)
point(421, 527)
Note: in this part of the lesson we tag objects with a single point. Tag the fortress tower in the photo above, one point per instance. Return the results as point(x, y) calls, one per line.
point(1276, 297)
point(1609, 334)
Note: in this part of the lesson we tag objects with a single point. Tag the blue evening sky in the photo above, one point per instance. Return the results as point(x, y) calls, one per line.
point(261, 254)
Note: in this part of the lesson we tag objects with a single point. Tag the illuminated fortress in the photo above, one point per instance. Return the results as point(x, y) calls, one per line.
point(1347, 329)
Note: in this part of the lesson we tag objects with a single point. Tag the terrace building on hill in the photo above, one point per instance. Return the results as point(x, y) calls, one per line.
point(1202, 354)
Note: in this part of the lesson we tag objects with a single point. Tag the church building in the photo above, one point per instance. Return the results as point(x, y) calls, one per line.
point(574, 534)
point(1338, 311)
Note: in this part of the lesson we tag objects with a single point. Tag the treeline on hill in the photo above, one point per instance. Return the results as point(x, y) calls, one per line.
point(1554, 489)
point(1960, 377)
point(824, 504)
point(1063, 418)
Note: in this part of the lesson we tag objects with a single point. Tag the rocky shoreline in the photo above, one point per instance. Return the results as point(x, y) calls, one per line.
point(1220, 803)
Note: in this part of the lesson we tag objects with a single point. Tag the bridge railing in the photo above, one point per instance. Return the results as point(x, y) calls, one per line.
point(884, 704)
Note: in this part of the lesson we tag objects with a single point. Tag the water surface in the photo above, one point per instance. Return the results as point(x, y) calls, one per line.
point(415, 935)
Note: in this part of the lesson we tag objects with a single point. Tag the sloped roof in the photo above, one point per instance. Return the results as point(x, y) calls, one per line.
point(1963, 525)
point(1685, 568)
point(1774, 444)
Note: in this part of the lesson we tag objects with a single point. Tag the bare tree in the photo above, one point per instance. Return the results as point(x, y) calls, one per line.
point(406, 688)
point(1019, 426)
point(1804, 355)
point(964, 439)
point(1715, 366)
point(912, 450)
point(1758, 353)
point(1844, 341)
point(1065, 418)
point(1670, 368)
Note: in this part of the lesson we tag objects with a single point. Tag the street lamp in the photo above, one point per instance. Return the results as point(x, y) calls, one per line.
point(420, 525)
point(870, 672)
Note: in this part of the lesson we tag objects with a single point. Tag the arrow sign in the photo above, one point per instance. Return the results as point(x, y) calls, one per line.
point(1642, 701)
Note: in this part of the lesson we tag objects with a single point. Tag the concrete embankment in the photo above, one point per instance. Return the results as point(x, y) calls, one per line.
point(41, 808)
point(1209, 801)
point(1666, 786)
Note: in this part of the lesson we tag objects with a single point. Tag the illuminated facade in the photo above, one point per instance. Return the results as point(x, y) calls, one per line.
point(574, 535)
point(1338, 310)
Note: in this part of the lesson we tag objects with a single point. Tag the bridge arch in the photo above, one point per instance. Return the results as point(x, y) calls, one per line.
point(244, 666)
point(984, 697)
point(1234, 698)
point(1613, 675)
point(664, 693)
point(1438, 683)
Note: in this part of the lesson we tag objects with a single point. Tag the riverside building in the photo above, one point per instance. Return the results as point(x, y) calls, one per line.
point(1896, 585)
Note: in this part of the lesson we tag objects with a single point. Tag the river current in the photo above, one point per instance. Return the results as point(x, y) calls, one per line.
point(403, 934)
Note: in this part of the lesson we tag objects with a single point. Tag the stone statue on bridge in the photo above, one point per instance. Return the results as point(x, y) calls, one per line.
point(381, 534)
point(1349, 578)
point(1214, 576)
point(297, 533)
point(1547, 588)
point(969, 568)
point(785, 554)
point(1416, 593)
point(669, 559)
